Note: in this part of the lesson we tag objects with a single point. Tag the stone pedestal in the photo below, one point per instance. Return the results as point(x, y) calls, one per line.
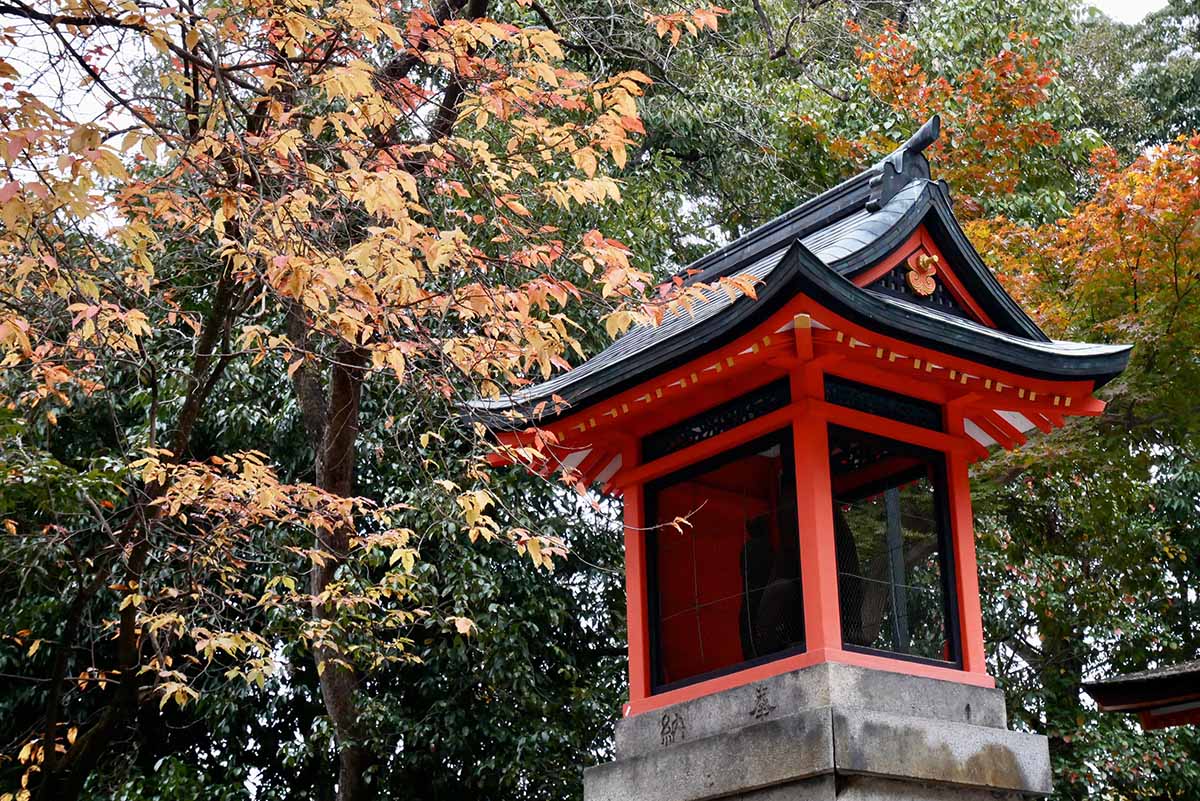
point(823, 733)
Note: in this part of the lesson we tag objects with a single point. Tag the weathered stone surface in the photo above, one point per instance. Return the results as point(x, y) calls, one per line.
point(868, 788)
point(827, 684)
point(731, 763)
point(827, 733)
point(901, 694)
point(894, 746)
point(817, 788)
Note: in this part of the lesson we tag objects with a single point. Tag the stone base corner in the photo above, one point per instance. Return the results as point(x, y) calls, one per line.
point(824, 733)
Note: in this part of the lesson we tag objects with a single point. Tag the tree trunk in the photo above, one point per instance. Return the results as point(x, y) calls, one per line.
point(335, 474)
point(64, 776)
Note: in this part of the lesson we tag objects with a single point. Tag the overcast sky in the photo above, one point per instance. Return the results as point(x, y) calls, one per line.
point(1128, 10)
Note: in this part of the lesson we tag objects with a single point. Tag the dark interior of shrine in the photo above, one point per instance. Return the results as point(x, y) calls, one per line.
point(725, 568)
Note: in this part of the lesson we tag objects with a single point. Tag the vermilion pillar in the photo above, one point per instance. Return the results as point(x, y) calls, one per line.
point(966, 570)
point(818, 553)
point(637, 606)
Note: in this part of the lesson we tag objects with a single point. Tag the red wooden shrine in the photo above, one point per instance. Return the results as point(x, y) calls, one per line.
point(1163, 697)
point(794, 468)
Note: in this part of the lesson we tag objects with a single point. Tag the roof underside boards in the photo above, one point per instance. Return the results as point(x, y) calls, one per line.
point(1148, 688)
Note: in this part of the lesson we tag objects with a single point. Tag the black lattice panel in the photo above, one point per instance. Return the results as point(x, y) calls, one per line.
point(721, 418)
point(882, 403)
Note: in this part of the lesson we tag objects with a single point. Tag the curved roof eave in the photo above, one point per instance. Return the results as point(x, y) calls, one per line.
point(1043, 358)
point(712, 324)
point(783, 277)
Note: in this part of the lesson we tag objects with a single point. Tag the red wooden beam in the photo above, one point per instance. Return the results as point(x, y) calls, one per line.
point(1014, 434)
point(986, 422)
point(637, 605)
point(917, 242)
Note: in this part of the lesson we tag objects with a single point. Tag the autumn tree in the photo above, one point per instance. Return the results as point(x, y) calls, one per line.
point(340, 194)
point(1086, 554)
point(993, 120)
point(1092, 537)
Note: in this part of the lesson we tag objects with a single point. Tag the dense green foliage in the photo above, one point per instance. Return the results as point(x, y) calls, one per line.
point(1089, 539)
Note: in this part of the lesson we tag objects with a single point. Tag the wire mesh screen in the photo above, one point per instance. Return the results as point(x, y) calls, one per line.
point(891, 544)
point(726, 573)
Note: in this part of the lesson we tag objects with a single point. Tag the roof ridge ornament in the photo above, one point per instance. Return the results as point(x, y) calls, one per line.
point(904, 165)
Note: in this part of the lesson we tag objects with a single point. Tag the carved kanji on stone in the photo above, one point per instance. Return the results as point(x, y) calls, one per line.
point(762, 704)
point(673, 728)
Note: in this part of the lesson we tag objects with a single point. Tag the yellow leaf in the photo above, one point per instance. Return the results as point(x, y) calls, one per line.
point(535, 550)
point(619, 156)
point(83, 138)
point(585, 159)
point(296, 26)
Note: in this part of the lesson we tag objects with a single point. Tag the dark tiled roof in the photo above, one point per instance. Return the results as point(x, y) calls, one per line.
point(1182, 669)
point(815, 248)
point(1146, 689)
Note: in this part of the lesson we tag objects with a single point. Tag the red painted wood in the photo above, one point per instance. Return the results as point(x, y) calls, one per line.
point(712, 392)
point(985, 422)
point(920, 241)
point(802, 334)
point(814, 508)
point(679, 402)
point(906, 248)
point(946, 273)
point(1040, 420)
point(759, 426)
point(966, 571)
point(866, 371)
point(1181, 718)
point(903, 370)
point(852, 418)
point(755, 369)
point(593, 463)
point(1010, 431)
point(637, 606)
point(846, 485)
point(797, 662)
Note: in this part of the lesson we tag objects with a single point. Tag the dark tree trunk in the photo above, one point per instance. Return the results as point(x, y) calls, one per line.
point(335, 474)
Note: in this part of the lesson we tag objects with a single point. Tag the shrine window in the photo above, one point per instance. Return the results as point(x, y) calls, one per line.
point(724, 563)
point(894, 553)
